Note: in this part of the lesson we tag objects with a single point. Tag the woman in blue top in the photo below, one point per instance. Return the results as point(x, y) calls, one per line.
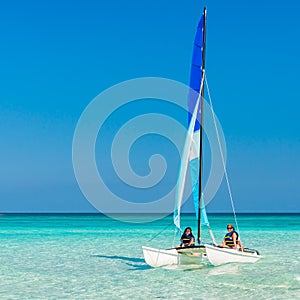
point(187, 239)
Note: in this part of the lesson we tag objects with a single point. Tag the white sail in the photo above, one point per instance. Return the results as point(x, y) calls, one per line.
point(184, 166)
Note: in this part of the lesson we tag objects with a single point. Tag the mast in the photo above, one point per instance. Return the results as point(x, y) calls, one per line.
point(201, 128)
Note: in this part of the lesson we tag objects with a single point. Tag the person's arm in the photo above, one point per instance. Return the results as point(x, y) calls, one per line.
point(223, 244)
point(191, 241)
point(240, 244)
point(234, 236)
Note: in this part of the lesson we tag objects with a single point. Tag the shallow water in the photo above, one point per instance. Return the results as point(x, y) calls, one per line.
point(96, 257)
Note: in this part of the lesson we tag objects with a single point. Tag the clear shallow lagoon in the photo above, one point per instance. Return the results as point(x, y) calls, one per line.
point(96, 257)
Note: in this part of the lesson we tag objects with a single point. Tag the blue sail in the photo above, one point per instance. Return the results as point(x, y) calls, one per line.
point(196, 82)
point(190, 155)
point(196, 71)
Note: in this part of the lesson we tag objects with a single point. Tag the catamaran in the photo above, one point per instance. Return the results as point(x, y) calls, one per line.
point(192, 158)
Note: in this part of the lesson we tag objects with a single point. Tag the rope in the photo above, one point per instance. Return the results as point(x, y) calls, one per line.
point(161, 232)
point(222, 156)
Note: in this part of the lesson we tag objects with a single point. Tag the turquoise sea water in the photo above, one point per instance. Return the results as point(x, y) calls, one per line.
point(96, 257)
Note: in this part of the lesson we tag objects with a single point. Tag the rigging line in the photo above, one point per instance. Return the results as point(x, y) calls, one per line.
point(222, 156)
point(160, 232)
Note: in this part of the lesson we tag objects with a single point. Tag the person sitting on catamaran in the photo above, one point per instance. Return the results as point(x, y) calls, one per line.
point(187, 239)
point(231, 239)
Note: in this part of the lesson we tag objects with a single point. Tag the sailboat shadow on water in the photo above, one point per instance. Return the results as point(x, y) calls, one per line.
point(135, 262)
point(192, 158)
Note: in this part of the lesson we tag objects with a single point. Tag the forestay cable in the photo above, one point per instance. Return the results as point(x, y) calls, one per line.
point(222, 156)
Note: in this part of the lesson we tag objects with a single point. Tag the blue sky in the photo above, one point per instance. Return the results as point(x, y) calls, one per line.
point(56, 56)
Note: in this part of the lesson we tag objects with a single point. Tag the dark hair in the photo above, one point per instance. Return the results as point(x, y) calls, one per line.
point(187, 229)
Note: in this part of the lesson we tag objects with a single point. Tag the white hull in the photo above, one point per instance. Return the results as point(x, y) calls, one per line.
point(219, 256)
point(159, 257)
